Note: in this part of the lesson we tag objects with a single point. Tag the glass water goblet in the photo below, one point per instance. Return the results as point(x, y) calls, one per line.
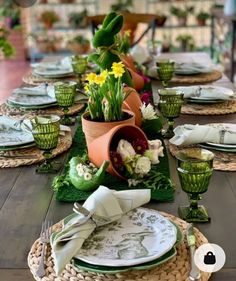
point(154, 48)
point(79, 65)
point(170, 104)
point(195, 167)
point(65, 95)
point(165, 70)
point(45, 130)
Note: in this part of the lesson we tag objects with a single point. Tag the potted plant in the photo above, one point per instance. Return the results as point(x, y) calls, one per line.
point(48, 18)
point(79, 45)
point(186, 42)
point(47, 43)
point(6, 49)
point(160, 19)
point(106, 97)
point(78, 20)
point(202, 17)
point(181, 13)
point(122, 5)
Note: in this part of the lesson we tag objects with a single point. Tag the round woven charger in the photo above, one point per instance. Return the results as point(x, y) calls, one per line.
point(8, 110)
point(31, 79)
point(63, 145)
point(223, 161)
point(198, 78)
point(226, 107)
point(177, 268)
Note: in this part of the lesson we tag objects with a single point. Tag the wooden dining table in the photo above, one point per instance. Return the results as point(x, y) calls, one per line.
point(27, 198)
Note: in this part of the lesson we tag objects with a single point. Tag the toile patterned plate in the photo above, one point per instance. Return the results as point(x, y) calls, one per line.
point(147, 265)
point(140, 236)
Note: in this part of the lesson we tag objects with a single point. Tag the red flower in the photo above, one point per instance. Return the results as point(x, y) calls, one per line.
point(146, 97)
point(140, 146)
point(116, 160)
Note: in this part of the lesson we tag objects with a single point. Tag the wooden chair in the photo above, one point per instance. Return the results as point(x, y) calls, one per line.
point(129, 18)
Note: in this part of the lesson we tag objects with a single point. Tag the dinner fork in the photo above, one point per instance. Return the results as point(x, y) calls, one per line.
point(45, 234)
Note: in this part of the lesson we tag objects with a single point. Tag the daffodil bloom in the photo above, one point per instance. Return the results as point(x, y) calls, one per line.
point(86, 88)
point(100, 80)
point(118, 69)
point(91, 78)
point(104, 74)
point(128, 32)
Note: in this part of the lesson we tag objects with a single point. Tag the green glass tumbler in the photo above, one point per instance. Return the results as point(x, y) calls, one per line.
point(45, 130)
point(170, 104)
point(195, 167)
point(65, 96)
point(165, 70)
point(79, 65)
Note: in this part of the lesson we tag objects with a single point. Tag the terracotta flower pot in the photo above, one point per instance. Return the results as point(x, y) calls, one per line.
point(94, 129)
point(133, 103)
point(128, 62)
point(137, 79)
point(99, 150)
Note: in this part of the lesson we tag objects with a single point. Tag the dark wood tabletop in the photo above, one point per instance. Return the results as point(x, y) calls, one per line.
point(27, 198)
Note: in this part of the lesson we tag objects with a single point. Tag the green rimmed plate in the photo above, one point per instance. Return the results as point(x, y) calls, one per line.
point(218, 148)
point(147, 265)
point(30, 107)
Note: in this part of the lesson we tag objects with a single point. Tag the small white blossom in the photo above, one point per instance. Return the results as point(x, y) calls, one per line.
point(143, 165)
point(133, 182)
point(87, 176)
point(148, 112)
point(160, 151)
point(80, 170)
point(154, 144)
point(125, 149)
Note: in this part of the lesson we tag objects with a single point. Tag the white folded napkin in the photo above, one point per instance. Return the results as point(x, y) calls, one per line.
point(40, 90)
point(193, 66)
point(139, 54)
point(7, 123)
point(107, 206)
point(59, 65)
point(192, 134)
point(206, 92)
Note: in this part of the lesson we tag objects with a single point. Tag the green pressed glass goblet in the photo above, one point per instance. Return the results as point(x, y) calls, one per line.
point(165, 70)
point(170, 106)
point(45, 130)
point(79, 65)
point(65, 96)
point(195, 166)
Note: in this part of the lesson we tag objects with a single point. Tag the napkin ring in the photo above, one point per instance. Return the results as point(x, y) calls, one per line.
point(222, 136)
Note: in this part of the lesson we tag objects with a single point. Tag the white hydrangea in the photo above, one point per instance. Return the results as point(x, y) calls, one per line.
point(148, 112)
point(143, 165)
point(133, 182)
point(125, 149)
point(87, 176)
point(153, 155)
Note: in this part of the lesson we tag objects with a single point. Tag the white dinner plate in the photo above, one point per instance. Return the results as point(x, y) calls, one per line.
point(140, 236)
point(30, 100)
point(53, 73)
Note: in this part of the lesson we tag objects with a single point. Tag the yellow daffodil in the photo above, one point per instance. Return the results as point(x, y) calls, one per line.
point(104, 74)
point(117, 69)
point(91, 77)
point(86, 88)
point(100, 80)
point(128, 32)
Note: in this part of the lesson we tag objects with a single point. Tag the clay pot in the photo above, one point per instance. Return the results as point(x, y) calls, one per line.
point(128, 62)
point(137, 79)
point(133, 103)
point(99, 149)
point(77, 48)
point(48, 24)
point(201, 22)
point(94, 129)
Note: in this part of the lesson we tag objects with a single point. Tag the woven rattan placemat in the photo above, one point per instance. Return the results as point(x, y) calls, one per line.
point(175, 269)
point(11, 162)
point(198, 78)
point(226, 107)
point(32, 79)
point(9, 110)
point(223, 161)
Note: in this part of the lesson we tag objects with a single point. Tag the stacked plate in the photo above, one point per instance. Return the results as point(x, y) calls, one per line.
point(225, 147)
point(191, 68)
point(33, 98)
point(141, 239)
point(206, 94)
point(14, 134)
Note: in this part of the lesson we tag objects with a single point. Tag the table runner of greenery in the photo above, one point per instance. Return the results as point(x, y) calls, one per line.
point(158, 181)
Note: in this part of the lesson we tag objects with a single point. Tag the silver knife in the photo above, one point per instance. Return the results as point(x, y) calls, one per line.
point(194, 273)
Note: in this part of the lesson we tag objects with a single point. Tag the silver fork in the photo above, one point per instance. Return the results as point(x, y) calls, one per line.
point(45, 234)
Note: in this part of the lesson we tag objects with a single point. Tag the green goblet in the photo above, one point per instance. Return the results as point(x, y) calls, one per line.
point(170, 106)
point(45, 130)
point(79, 65)
point(65, 96)
point(165, 70)
point(195, 166)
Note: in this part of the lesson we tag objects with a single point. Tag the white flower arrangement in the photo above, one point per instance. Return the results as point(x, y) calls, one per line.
point(148, 112)
point(135, 160)
point(86, 171)
point(151, 122)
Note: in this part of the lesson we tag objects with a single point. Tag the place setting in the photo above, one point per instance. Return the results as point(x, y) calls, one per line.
point(217, 137)
point(30, 141)
point(182, 73)
point(132, 242)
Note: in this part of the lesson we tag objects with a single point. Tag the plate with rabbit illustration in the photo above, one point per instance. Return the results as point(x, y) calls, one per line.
point(140, 236)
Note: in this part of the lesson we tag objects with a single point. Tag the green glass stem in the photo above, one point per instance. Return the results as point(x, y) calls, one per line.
point(165, 83)
point(66, 119)
point(169, 133)
point(47, 166)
